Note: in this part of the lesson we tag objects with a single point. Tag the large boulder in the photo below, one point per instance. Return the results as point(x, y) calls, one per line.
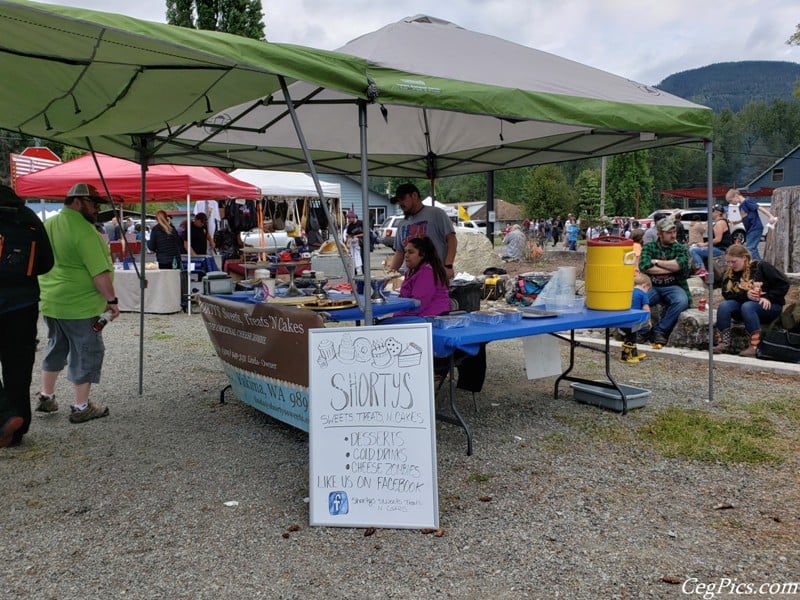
point(475, 254)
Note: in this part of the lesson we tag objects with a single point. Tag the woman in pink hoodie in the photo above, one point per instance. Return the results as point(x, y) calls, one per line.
point(425, 280)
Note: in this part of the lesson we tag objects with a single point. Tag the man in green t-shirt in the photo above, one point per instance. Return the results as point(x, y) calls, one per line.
point(78, 289)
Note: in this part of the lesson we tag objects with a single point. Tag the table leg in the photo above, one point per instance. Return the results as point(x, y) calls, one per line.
point(455, 418)
point(565, 374)
point(609, 384)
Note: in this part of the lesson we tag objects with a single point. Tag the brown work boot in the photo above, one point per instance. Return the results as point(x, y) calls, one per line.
point(724, 343)
point(750, 351)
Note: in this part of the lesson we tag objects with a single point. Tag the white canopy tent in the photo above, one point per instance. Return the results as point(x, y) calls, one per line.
point(451, 210)
point(286, 183)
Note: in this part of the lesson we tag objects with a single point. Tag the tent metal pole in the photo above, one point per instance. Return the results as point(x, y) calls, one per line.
point(365, 244)
point(188, 254)
point(490, 207)
point(709, 149)
point(144, 150)
point(313, 172)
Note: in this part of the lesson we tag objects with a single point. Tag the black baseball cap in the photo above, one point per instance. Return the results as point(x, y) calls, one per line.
point(404, 189)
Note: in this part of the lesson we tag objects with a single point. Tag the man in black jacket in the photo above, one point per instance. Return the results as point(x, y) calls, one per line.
point(25, 253)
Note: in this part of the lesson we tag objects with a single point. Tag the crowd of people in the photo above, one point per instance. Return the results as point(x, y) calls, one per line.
point(753, 290)
point(70, 280)
point(668, 254)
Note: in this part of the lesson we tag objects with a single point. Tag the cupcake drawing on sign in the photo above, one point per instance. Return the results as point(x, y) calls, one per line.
point(347, 349)
point(327, 352)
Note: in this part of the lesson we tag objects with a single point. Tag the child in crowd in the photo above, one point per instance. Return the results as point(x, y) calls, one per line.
point(630, 353)
point(425, 280)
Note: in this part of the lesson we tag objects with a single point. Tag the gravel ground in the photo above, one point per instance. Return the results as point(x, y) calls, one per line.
point(559, 500)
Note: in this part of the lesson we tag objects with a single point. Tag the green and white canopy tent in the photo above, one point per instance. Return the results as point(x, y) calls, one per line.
point(107, 82)
point(417, 98)
point(447, 101)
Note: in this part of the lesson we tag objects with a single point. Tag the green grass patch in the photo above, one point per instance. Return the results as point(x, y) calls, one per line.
point(696, 435)
point(479, 477)
point(783, 407)
point(603, 424)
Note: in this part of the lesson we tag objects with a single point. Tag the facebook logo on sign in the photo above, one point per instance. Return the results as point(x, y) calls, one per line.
point(338, 504)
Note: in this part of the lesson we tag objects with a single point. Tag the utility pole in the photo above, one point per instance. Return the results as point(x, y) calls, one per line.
point(602, 186)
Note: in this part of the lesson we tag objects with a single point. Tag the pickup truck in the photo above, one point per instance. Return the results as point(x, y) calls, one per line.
point(471, 226)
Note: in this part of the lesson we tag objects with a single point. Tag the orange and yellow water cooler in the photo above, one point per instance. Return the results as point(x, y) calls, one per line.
point(609, 273)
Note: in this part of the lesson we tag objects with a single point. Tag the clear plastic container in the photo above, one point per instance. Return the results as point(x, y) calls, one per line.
point(486, 317)
point(449, 321)
point(510, 315)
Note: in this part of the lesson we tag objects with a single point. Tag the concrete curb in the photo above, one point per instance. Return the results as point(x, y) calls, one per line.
point(728, 360)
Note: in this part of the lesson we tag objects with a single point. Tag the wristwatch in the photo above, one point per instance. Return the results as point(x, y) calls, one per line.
point(450, 266)
point(114, 301)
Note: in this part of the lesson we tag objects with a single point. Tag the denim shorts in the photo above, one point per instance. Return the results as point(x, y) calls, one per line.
point(73, 342)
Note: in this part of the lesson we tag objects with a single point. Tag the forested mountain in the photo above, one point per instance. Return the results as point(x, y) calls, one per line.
point(733, 84)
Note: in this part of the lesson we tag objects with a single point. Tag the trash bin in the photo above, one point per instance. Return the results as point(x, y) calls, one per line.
point(467, 294)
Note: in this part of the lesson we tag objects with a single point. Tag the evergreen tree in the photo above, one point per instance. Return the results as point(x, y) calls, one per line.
point(240, 17)
point(547, 193)
point(629, 184)
point(587, 186)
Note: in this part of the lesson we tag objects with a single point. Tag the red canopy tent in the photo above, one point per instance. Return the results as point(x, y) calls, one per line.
point(124, 179)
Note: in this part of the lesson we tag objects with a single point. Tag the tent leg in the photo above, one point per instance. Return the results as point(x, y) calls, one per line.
point(144, 150)
point(313, 172)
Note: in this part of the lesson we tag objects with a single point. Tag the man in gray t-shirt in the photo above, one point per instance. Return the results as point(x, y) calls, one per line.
point(422, 221)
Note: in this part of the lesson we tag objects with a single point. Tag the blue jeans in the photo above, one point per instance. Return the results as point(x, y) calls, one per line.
point(751, 241)
point(700, 254)
point(752, 314)
point(675, 302)
point(572, 244)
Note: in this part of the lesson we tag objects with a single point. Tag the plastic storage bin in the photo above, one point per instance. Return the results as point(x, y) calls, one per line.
point(467, 294)
point(610, 398)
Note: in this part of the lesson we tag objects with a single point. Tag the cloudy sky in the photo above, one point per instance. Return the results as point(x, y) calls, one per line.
point(644, 40)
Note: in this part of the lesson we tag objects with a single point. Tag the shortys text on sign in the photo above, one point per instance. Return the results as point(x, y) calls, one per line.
point(372, 427)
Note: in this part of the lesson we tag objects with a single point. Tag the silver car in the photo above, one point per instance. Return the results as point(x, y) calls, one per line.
point(271, 242)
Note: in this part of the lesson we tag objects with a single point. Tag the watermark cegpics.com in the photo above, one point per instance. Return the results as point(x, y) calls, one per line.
point(731, 587)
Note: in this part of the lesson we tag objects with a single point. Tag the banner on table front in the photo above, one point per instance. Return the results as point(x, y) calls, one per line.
point(264, 352)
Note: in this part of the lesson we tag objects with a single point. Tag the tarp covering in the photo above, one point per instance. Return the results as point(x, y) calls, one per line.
point(124, 180)
point(286, 184)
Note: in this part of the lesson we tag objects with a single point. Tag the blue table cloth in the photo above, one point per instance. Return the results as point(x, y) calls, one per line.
point(394, 304)
point(203, 263)
point(470, 338)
